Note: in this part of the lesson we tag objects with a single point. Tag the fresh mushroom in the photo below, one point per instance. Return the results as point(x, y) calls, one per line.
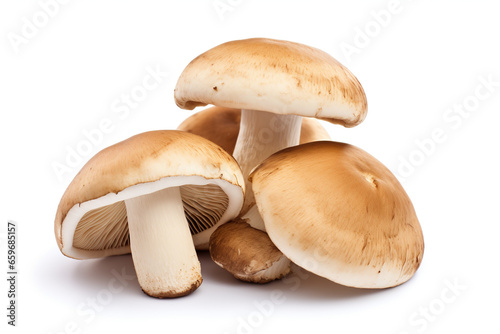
point(338, 212)
point(274, 83)
point(245, 252)
point(156, 195)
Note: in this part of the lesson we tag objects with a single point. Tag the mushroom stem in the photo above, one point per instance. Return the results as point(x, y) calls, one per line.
point(162, 247)
point(262, 134)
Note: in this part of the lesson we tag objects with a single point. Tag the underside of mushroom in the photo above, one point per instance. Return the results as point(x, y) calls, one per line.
point(160, 228)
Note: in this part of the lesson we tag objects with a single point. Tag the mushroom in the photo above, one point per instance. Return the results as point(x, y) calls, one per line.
point(157, 195)
point(222, 125)
point(274, 83)
point(245, 252)
point(338, 212)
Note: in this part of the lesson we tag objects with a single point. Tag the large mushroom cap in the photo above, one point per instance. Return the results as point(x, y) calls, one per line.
point(337, 211)
point(91, 219)
point(276, 76)
point(222, 125)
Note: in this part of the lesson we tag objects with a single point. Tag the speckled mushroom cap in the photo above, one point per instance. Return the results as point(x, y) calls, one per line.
point(222, 125)
point(335, 210)
point(91, 219)
point(275, 76)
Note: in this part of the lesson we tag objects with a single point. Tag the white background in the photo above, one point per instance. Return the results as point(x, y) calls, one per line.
point(419, 66)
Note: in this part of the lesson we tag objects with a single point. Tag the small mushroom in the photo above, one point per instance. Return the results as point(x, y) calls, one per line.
point(338, 212)
point(157, 195)
point(247, 253)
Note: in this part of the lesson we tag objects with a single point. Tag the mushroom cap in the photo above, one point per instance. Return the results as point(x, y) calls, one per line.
point(336, 211)
point(276, 76)
point(217, 124)
point(222, 125)
point(247, 253)
point(91, 219)
point(312, 130)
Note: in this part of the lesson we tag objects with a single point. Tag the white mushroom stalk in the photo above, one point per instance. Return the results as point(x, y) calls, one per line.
point(262, 134)
point(162, 248)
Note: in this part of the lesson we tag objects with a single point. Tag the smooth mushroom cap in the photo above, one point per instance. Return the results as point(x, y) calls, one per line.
point(276, 76)
point(336, 211)
point(312, 130)
point(222, 125)
point(247, 253)
point(91, 219)
point(217, 124)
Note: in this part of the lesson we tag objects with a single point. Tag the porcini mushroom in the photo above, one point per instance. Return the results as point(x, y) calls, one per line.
point(156, 195)
point(245, 252)
point(338, 212)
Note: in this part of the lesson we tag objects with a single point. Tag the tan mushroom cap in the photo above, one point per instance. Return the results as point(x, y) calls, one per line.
point(217, 124)
point(91, 220)
point(312, 130)
point(275, 76)
point(222, 125)
point(247, 253)
point(335, 210)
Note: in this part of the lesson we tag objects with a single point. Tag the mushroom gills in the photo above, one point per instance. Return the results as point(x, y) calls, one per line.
point(107, 227)
point(204, 205)
point(103, 228)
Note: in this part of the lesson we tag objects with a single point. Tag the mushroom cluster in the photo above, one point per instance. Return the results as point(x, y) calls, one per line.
point(329, 207)
point(255, 180)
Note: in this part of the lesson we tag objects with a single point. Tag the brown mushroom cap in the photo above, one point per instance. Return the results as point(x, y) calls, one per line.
point(247, 253)
point(337, 211)
point(217, 124)
point(222, 125)
point(276, 76)
point(312, 130)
